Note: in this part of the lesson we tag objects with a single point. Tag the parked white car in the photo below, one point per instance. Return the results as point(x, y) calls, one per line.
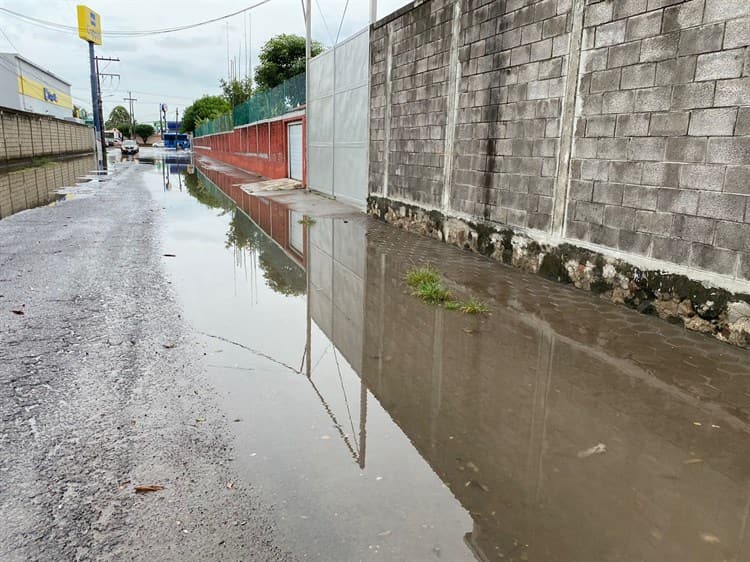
point(157, 144)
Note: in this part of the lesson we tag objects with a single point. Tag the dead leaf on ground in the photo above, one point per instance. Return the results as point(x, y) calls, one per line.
point(199, 420)
point(18, 312)
point(168, 345)
point(148, 488)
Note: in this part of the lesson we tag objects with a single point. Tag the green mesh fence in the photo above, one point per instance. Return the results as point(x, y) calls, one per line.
point(262, 105)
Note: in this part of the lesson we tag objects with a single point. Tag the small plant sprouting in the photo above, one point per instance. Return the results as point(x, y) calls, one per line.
point(426, 285)
point(307, 221)
point(473, 306)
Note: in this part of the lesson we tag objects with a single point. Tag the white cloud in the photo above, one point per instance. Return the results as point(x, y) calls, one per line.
point(174, 68)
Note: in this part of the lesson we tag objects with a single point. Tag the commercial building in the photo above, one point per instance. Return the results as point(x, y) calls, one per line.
point(25, 86)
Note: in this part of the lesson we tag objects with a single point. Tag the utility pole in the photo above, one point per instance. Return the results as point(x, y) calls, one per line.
point(131, 99)
point(99, 109)
point(90, 30)
point(373, 11)
point(308, 50)
point(176, 119)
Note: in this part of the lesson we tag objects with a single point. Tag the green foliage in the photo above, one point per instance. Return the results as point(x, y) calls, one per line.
point(426, 285)
point(281, 58)
point(125, 130)
point(144, 130)
point(236, 91)
point(416, 277)
point(205, 108)
point(118, 118)
point(473, 306)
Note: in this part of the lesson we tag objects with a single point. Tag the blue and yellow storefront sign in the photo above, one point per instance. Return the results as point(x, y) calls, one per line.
point(89, 25)
point(37, 90)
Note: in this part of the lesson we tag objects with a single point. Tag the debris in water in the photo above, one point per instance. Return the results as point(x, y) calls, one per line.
point(121, 485)
point(385, 533)
point(237, 420)
point(170, 255)
point(709, 538)
point(230, 485)
point(168, 345)
point(325, 436)
point(18, 312)
point(715, 426)
point(697, 424)
point(597, 449)
point(148, 488)
point(692, 461)
point(199, 420)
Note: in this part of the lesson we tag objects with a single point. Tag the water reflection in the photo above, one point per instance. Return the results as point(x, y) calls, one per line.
point(31, 187)
point(566, 429)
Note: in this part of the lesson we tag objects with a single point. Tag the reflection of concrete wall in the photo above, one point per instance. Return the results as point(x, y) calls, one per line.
point(31, 187)
point(339, 119)
point(337, 271)
point(501, 412)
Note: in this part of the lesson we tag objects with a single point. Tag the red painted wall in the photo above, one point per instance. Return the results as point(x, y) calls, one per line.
point(261, 148)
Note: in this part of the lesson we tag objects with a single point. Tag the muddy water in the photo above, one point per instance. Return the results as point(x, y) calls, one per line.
point(557, 428)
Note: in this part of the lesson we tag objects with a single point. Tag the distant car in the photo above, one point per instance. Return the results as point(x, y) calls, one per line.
point(129, 147)
point(157, 144)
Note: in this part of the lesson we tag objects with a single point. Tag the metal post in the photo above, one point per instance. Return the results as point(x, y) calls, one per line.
point(308, 51)
point(100, 112)
point(373, 11)
point(94, 98)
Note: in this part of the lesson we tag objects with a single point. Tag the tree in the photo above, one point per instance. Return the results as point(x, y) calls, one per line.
point(281, 58)
point(236, 91)
point(207, 107)
point(118, 117)
point(144, 130)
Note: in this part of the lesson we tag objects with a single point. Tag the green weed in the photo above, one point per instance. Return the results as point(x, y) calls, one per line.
point(426, 285)
point(473, 306)
point(419, 275)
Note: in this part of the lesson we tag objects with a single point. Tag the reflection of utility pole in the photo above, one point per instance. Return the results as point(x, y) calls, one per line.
point(99, 104)
point(176, 120)
point(131, 99)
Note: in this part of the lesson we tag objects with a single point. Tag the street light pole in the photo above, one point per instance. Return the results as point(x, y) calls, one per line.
point(101, 156)
point(308, 52)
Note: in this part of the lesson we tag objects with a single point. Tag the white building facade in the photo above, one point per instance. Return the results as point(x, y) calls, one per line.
point(27, 87)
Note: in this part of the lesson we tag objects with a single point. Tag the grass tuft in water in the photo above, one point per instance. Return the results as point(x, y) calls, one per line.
point(473, 306)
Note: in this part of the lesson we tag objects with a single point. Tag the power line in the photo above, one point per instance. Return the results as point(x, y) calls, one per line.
point(128, 33)
point(8, 39)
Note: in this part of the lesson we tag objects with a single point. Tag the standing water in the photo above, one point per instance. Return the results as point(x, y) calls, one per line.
point(554, 428)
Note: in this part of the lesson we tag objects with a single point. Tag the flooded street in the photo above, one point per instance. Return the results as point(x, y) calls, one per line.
point(557, 428)
point(362, 423)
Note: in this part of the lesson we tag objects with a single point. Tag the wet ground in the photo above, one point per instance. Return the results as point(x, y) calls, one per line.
point(367, 425)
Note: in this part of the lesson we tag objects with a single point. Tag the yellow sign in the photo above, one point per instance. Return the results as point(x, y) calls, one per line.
point(89, 25)
point(37, 90)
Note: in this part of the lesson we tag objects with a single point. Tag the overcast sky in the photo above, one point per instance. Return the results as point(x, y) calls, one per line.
point(175, 68)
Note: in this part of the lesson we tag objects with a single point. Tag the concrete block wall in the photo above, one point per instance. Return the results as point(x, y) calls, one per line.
point(661, 154)
point(27, 135)
point(620, 126)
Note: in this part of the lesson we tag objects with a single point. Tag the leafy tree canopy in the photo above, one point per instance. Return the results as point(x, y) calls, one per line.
point(236, 91)
point(205, 108)
point(281, 58)
point(144, 130)
point(117, 117)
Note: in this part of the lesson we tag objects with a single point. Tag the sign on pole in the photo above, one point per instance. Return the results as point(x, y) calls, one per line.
point(89, 25)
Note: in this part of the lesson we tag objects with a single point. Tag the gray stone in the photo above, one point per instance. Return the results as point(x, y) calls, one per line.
point(610, 193)
point(554, 26)
point(694, 229)
point(702, 176)
point(619, 217)
point(644, 25)
point(618, 102)
point(638, 76)
point(654, 99)
point(625, 8)
point(598, 13)
point(721, 206)
point(594, 170)
point(676, 71)
point(621, 55)
point(669, 124)
point(633, 125)
point(612, 149)
point(581, 190)
point(686, 149)
point(678, 201)
point(610, 33)
point(737, 33)
point(688, 96)
point(723, 64)
point(733, 92)
point(702, 39)
point(589, 212)
point(743, 122)
point(625, 172)
point(603, 235)
point(653, 222)
point(648, 148)
point(640, 197)
point(737, 180)
point(745, 266)
point(684, 15)
point(732, 235)
point(729, 150)
point(708, 122)
point(603, 81)
point(707, 257)
point(660, 47)
point(661, 174)
point(634, 242)
point(600, 126)
point(717, 10)
point(670, 249)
